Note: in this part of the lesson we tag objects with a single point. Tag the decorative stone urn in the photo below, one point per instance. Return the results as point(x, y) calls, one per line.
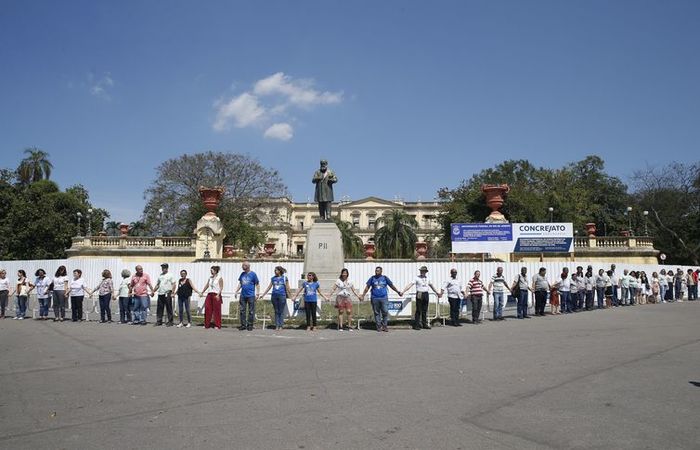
point(210, 231)
point(269, 249)
point(494, 199)
point(211, 197)
point(625, 233)
point(123, 229)
point(421, 250)
point(229, 251)
point(369, 251)
point(590, 230)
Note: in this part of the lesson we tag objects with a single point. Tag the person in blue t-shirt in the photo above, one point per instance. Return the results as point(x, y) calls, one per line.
point(311, 289)
point(249, 287)
point(380, 297)
point(280, 291)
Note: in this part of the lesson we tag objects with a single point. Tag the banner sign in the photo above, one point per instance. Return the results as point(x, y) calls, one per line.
point(512, 237)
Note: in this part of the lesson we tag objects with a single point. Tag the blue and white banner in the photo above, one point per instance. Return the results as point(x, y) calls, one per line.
point(512, 237)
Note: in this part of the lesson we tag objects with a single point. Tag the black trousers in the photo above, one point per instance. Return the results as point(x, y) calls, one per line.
point(540, 302)
point(164, 301)
point(76, 308)
point(310, 310)
point(476, 300)
point(455, 305)
point(421, 315)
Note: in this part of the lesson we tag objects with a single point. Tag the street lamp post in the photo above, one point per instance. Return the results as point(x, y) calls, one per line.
point(646, 226)
point(551, 214)
point(629, 218)
point(79, 215)
point(89, 225)
point(160, 222)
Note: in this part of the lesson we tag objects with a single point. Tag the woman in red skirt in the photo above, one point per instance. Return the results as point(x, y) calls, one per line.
point(212, 303)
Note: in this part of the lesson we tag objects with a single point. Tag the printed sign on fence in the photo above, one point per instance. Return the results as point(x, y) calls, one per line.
point(512, 237)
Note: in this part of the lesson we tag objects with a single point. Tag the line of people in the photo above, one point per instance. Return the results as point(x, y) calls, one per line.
point(564, 293)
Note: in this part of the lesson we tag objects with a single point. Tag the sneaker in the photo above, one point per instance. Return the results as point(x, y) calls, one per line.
point(21, 318)
point(385, 329)
point(251, 328)
point(242, 328)
point(188, 326)
point(179, 325)
point(15, 318)
point(169, 324)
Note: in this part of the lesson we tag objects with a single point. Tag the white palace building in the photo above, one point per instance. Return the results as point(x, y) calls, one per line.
point(286, 222)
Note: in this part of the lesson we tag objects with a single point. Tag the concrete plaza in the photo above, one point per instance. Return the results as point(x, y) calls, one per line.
point(622, 378)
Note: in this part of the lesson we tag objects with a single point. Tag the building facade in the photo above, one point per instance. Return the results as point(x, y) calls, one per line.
point(286, 222)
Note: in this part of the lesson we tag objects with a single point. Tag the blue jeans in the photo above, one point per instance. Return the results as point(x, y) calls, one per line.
point(633, 295)
point(677, 285)
point(625, 298)
point(183, 307)
point(522, 303)
point(21, 309)
point(600, 294)
point(124, 309)
point(44, 305)
point(380, 306)
point(615, 299)
point(498, 301)
point(279, 301)
point(565, 301)
point(662, 293)
point(105, 307)
point(141, 305)
point(249, 303)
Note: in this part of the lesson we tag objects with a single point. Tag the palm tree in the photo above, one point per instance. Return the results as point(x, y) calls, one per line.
point(112, 228)
point(35, 166)
point(352, 244)
point(396, 238)
point(138, 228)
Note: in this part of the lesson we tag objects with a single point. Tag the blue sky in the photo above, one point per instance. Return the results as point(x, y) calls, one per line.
point(402, 97)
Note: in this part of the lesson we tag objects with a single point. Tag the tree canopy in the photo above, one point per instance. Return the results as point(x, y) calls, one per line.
point(245, 180)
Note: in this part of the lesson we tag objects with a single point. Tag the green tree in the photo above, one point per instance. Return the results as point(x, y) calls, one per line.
point(671, 195)
point(138, 228)
point(112, 228)
point(35, 166)
point(245, 180)
point(352, 244)
point(396, 238)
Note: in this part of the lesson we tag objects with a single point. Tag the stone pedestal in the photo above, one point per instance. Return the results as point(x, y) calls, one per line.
point(324, 253)
point(210, 235)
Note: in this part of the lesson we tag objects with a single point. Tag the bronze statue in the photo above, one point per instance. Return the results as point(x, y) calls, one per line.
point(324, 178)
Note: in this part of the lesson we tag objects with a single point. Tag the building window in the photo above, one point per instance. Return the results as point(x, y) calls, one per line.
point(372, 223)
point(301, 224)
point(300, 249)
point(356, 221)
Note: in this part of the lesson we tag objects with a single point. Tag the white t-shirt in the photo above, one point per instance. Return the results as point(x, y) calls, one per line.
point(77, 287)
point(59, 283)
point(454, 288)
point(42, 287)
point(167, 281)
point(4, 284)
point(422, 284)
point(213, 285)
point(565, 284)
point(343, 287)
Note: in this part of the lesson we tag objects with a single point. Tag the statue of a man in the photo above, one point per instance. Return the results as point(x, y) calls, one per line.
point(324, 178)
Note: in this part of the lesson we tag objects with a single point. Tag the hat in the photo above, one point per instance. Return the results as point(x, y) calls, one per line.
point(164, 265)
point(423, 269)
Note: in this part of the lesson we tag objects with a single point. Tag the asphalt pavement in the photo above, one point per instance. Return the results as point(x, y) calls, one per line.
point(626, 378)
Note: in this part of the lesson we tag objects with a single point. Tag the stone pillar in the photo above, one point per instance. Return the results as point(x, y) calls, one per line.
point(210, 232)
point(324, 253)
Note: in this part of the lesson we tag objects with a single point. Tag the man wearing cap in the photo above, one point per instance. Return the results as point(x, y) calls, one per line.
point(165, 286)
point(455, 293)
point(324, 178)
point(422, 283)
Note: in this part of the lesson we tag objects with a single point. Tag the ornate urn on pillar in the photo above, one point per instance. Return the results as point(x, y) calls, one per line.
point(269, 249)
point(211, 197)
point(228, 251)
point(590, 230)
point(421, 250)
point(210, 231)
point(369, 250)
point(494, 199)
point(123, 229)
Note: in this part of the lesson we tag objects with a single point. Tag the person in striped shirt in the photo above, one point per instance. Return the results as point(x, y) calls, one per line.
point(475, 287)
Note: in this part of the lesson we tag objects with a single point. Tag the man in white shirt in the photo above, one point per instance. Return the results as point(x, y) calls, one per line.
point(165, 287)
point(455, 293)
point(422, 283)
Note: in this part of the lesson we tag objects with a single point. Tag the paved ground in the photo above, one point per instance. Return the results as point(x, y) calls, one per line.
point(624, 378)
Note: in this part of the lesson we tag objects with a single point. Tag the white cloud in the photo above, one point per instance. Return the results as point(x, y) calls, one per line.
point(244, 110)
point(271, 99)
point(298, 92)
point(282, 131)
point(100, 87)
